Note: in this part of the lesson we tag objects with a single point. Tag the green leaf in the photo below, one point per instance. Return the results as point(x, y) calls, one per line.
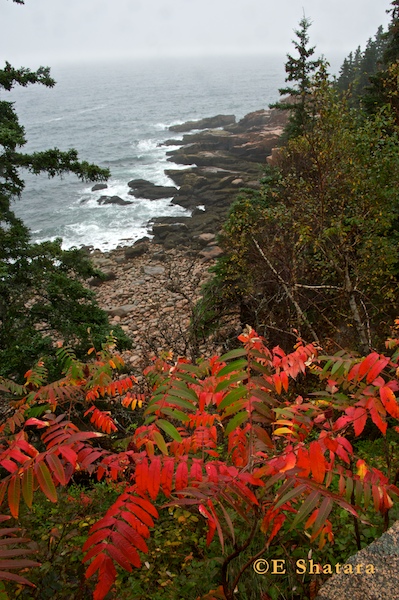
point(233, 408)
point(291, 495)
point(181, 402)
point(306, 508)
point(27, 486)
point(160, 442)
point(170, 430)
point(232, 396)
point(236, 421)
point(234, 379)
point(175, 414)
point(324, 511)
point(326, 367)
point(187, 367)
point(37, 411)
point(336, 367)
point(255, 366)
point(188, 378)
point(183, 391)
point(264, 396)
point(236, 353)
point(236, 365)
point(348, 489)
point(45, 481)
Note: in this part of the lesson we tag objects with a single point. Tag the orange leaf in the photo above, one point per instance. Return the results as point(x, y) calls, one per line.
point(389, 401)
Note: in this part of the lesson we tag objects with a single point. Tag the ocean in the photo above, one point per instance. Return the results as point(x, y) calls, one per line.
point(117, 116)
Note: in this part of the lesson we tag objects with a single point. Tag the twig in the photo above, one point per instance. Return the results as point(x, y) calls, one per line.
point(301, 315)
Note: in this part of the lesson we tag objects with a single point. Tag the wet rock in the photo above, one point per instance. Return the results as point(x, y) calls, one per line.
point(99, 186)
point(136, 250)
point(140, 188)
point(113, 200)
point(206, 123)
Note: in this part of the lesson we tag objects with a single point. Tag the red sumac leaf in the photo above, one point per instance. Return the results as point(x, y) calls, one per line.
point(140, 513)
point(376, 369)
point(359, 419)
point(167, 476)
point(129, 552)
point(142, 475)
point(146, 504)
point(106, 578)
point(130, 534)
point(95, 565)
point(98, 536)
point(57, 468)
point(181, 479)
point(154, 477)
point(367, 363)
point(118, 556)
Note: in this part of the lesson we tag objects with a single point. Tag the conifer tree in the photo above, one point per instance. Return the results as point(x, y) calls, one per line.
point(300, 70)
point(41, 294)
point(384, 84)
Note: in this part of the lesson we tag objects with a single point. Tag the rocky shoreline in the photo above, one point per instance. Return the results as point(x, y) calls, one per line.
point(151, 287)
point(151, 296)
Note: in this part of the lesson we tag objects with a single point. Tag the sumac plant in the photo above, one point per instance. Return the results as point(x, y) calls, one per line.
point(229, 437)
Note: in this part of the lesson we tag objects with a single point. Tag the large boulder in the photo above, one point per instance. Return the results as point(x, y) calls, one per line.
point(99, 186)
point(120, 311)
point(210, 253)
point(136, 250)
point(371, 574)
point(206, 123)
point(140, 188)
point(107, 275)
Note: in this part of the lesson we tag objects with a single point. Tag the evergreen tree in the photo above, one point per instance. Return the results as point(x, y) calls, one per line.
point(41, 294)
point(356, 71)
point(300, 70)
point(383, 89)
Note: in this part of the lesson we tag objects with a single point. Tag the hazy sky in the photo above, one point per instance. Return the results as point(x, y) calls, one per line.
point(50, 31)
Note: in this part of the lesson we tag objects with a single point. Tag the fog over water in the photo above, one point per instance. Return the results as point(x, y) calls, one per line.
point(50, 31)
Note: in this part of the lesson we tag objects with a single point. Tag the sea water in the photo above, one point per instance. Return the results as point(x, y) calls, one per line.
point(117, 115)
